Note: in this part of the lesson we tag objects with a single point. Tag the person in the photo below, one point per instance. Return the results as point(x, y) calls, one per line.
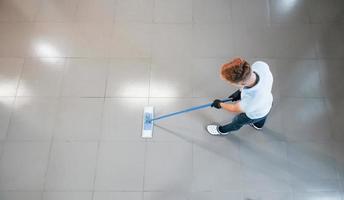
point(252, 101)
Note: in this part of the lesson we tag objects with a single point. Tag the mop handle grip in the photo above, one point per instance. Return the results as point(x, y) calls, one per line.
point(189, 110)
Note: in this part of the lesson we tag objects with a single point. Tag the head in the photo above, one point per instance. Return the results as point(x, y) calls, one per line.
point(237, 72)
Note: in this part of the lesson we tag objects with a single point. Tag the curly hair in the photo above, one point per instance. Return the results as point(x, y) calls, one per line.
point(236, 71)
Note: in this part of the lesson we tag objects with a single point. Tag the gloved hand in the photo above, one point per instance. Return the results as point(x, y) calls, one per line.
point(216, 104)
point(236, 96)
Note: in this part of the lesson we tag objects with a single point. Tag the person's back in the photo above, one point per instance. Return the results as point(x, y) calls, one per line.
point(253, 100)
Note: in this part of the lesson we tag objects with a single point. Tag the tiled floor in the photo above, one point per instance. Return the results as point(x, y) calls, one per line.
point(76, 74)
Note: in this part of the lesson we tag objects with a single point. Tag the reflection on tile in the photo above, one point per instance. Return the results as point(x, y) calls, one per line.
point(168, 173)
point(120, 166)
point(51, 40)
point(134, 10)
point(171, 78)
point(317, 195)
point(85, 77)
point(289, 11)
point(6, 104)
point(32, 119)
point(123, 122)
point(128, 78)
point(79, 119)
point(173, 11)
point(41, 77)
point(23, 165)
point(338, 154)
point(67, 195)
point(10, 69)
point(71, 166)
point(211, 11)
point(336, 113)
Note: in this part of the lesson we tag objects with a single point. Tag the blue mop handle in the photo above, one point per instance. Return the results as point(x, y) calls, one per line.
point(188, 110)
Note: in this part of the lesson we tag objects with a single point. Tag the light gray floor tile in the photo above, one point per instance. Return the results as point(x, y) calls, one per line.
point(215, 195)
point(67, 195)
point(17, 11)
point(213, 40)
point(269, 195)
point(6, 106)
point(216, 167)
point(120, 166)
point(57, 11)
point(299, 78)
point(132, 40)
point(32, 119)
point(172, 41)
point(117, 195)
point(16, 195)
point(171, 78)
point(128, 78)
point(134, 11)
point(210, 11)
point(23, 165)
point(96, 11)
point(330, 76)
point(311, 161)
point(319, 195)
point(10, 69)
point(328, 39)
point(289, 12)
point(79, 119)
point(255, 40)
point(173, 11)
point(169, 195)
point(206, 80)
point(41, 77)
point(294, 41)
point(326, 11)
point(256, 12)
point(338, 155)
point(72, 166)
point(121, 122)
point(85, 78)
point(171, 173)
point(335, 108)
point(309, 123)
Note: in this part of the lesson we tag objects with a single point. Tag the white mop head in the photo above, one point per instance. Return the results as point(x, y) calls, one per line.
point(147, 125)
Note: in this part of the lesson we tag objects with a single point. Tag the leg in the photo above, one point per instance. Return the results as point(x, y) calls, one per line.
point(260, 123)
point(238, 121)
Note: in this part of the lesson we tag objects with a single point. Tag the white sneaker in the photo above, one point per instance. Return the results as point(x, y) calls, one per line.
point(255, 127)
point(214, 130)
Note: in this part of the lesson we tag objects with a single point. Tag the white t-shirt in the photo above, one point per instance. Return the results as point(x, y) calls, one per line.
point(256, 102)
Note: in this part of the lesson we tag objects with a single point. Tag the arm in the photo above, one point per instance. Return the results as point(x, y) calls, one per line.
point(231, 107)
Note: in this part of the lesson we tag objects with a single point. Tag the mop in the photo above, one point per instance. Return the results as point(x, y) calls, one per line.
point(148, 117)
